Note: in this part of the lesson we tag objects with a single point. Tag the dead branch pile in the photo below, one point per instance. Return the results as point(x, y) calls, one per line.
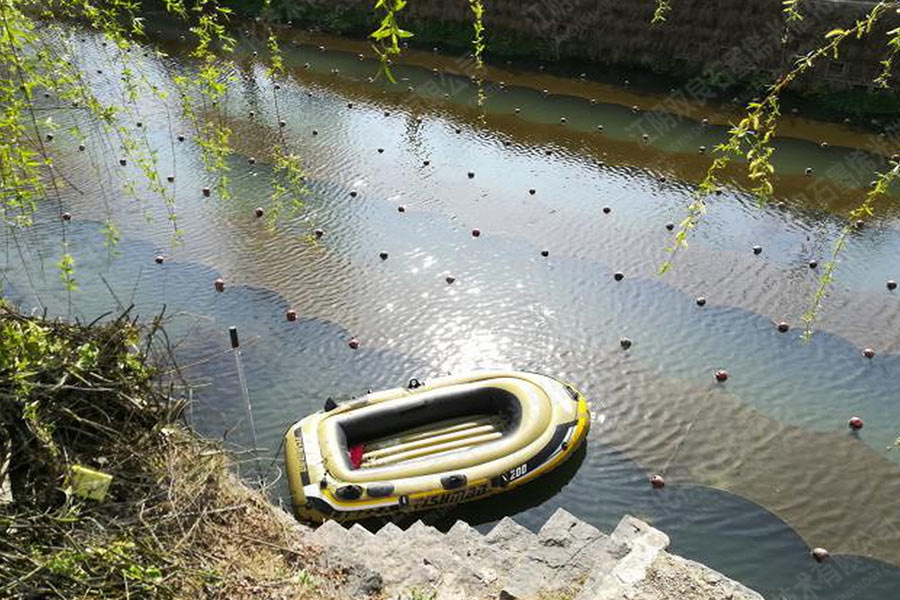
point(173, 523)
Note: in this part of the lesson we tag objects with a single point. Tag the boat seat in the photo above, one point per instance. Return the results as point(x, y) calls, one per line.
point(523, 408)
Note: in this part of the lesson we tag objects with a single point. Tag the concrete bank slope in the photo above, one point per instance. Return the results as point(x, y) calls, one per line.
point(567, 559)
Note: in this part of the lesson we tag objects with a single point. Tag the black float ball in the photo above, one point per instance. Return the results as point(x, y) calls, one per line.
point(207, 192)
point(471, 174)
point(219, 284)
point(813, 264)
point(353, 343)
point(757, 249)
point(159, 258)
point(258, 212)
point(625, 343)
point(721, 375)
point(670, 226)
point(606, 210)
point(383, 255)
point(619, 276)
point(701, 301)
point(353, 194)
point(319, 233)
point(891, 284)
point(783, 327)
point(291, 315)
point(545, 253)
point(657, 482)
point(855, 423)
point(868, 353)
point(476, 232)
point(66, 216)
point(401, 208)
point(450, 279)
point(532, 191)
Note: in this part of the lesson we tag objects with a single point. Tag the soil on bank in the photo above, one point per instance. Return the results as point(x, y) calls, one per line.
point(81, 403)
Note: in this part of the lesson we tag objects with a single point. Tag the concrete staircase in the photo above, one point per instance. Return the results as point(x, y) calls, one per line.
point(567, 559)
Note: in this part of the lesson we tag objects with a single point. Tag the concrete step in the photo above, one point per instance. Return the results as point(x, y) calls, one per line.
point(463, 532)
point(389, 532)
point(331, 534)
point(643, 545)
point(423, 559)
point(567, 552)
point(567, 558)
point(510, 536)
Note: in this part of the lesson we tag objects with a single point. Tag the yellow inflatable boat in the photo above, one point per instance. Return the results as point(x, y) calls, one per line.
point(452, 440)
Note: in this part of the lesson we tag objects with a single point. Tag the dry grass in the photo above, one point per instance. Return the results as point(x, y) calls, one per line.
point(175, 523)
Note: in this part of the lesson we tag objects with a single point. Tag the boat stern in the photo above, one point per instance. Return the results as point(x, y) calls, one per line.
point(296, 467)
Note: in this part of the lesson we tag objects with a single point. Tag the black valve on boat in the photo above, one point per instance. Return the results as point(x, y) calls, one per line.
point(349, 492)
point(414, 383)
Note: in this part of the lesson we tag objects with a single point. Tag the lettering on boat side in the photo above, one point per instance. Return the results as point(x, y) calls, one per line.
point(405, 503)
point(517, 472)
point(454, 497)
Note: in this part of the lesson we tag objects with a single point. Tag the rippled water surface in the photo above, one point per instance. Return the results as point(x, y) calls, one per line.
point(759, 468)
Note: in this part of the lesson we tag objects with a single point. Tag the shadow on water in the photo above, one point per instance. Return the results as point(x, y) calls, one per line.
point(490, 510)
point(293, 368)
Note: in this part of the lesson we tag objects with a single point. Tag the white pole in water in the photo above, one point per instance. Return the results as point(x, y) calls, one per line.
point(236, 346)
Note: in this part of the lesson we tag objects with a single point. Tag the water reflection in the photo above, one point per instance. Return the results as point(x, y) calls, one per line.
point(774, 434)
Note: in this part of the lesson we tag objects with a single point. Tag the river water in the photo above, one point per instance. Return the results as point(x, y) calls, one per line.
point(759, 469)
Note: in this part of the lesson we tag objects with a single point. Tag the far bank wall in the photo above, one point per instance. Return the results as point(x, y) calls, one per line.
point(744, 39)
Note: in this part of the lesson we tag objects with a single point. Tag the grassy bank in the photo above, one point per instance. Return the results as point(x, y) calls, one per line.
point(79, 404)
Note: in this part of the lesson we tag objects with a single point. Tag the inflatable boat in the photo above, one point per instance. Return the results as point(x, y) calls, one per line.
point(451, 440)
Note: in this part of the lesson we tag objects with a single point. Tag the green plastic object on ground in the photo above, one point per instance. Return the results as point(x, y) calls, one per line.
point(90, 484)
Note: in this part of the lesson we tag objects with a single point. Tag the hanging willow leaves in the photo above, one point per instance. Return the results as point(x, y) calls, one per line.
point(388, 35)
point(751, 140)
